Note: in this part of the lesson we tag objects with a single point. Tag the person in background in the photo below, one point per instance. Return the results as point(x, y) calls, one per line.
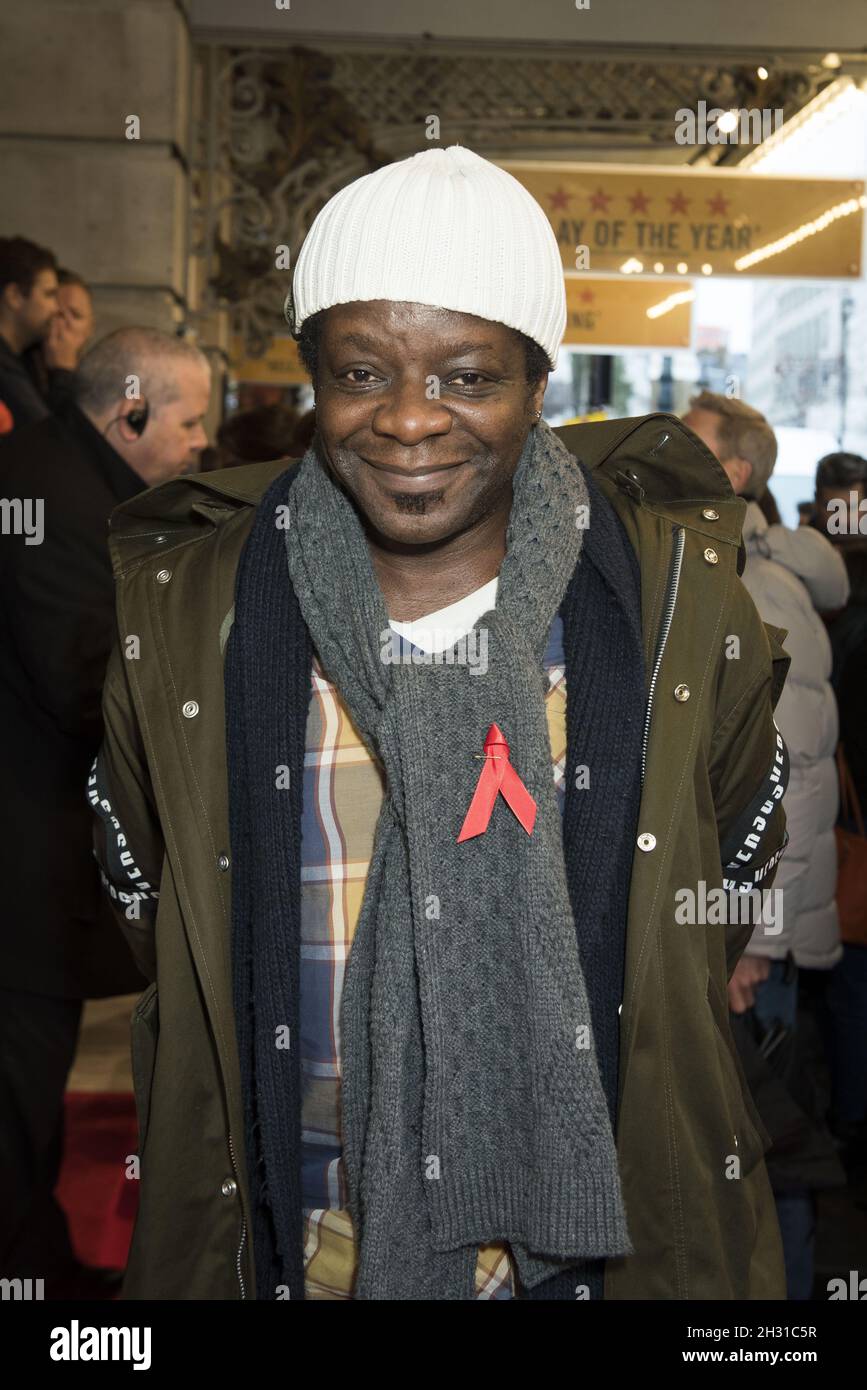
point(841, 487)
point(260, 434)
point(769, 509)
point(848, 630)
point(790, 575)
point(30, 314)
point(76, 304)
point(806, 512)
point(847, 991)
point(74, 319)
point(57, 944)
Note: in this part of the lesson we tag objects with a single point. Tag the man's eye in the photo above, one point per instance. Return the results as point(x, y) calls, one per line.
point(353, 375)
point(467, 380)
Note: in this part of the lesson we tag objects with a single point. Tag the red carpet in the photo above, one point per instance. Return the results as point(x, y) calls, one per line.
point(94, 1191)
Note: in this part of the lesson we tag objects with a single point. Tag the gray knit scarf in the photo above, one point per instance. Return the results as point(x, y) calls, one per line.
point(472, 1108)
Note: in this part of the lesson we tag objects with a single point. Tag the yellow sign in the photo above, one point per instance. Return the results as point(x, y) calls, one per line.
point(693, 222)
point(624, 311)
point(279, 366)
point(610, 311)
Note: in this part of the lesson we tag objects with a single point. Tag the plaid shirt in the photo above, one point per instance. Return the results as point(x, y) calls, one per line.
point(343, 791)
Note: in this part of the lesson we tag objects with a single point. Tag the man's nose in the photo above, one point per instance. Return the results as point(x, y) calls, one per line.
point(412, 412)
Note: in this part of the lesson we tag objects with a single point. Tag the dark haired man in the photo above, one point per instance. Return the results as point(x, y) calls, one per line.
point(840, 510)
point(29, 315)
point(426, 734)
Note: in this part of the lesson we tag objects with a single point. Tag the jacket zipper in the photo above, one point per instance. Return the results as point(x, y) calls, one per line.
point(243, 1225)
point(665, 628)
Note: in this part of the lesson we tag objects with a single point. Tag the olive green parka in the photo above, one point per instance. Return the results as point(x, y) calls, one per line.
point(690, 1142)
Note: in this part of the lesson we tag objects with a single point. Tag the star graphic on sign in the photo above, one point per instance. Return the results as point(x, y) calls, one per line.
point(640, 201)
point(599, 201)
point(560, 199)
point(678, 203)
point(719, 204)
point(587, 296)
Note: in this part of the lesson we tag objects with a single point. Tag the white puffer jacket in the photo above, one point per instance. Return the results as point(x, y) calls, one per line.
point(791, 575)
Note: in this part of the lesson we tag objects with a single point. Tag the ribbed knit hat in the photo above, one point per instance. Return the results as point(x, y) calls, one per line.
point(444, 227)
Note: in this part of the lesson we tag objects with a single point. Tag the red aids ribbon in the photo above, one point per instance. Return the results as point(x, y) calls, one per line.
point(497, 775)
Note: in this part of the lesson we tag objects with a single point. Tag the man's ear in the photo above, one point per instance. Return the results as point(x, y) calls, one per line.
point(746, 472)
point(125, 430)
point(11, 296)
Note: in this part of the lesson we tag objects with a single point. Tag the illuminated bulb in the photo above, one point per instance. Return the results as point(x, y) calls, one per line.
point(681, 267)
point(665, 306)
point(707, 269)
point(728, 121)
point(807, 229)
point(831, 60)
point(659, 267)
point(762, 72)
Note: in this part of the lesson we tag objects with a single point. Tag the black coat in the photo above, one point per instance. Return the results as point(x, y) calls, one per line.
point(56, 627)
point(849, 641)
point(27, 399)
point(788, 1080)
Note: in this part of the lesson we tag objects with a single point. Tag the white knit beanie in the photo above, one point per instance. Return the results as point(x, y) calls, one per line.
point(444, 227)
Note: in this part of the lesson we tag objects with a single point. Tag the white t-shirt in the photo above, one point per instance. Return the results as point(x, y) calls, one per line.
point(439, 631)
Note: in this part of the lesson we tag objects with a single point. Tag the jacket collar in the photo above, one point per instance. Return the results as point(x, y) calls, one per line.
point(123, 482)
point(661, 466)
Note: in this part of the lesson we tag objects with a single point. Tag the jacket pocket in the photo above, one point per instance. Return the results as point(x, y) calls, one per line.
point(753, 1138)
point(144, 1031)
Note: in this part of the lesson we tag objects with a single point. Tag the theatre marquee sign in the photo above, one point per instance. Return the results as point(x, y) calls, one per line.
point(690, 222)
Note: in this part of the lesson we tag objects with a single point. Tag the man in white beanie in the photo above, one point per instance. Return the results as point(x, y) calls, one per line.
point(426, 738)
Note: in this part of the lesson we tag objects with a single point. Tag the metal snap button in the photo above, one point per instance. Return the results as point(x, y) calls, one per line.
point(163, 576)
point(223, 863)
point(709, 514)
point(190, 709)
point(647, 842)
point(711, 556)
point(229, 1187)
point(681, 693)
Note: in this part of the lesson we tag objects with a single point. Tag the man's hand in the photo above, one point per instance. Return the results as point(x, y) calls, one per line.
point(62, 347)
point(749, 972)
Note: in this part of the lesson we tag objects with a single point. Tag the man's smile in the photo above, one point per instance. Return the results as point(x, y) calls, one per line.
point(406, 480)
